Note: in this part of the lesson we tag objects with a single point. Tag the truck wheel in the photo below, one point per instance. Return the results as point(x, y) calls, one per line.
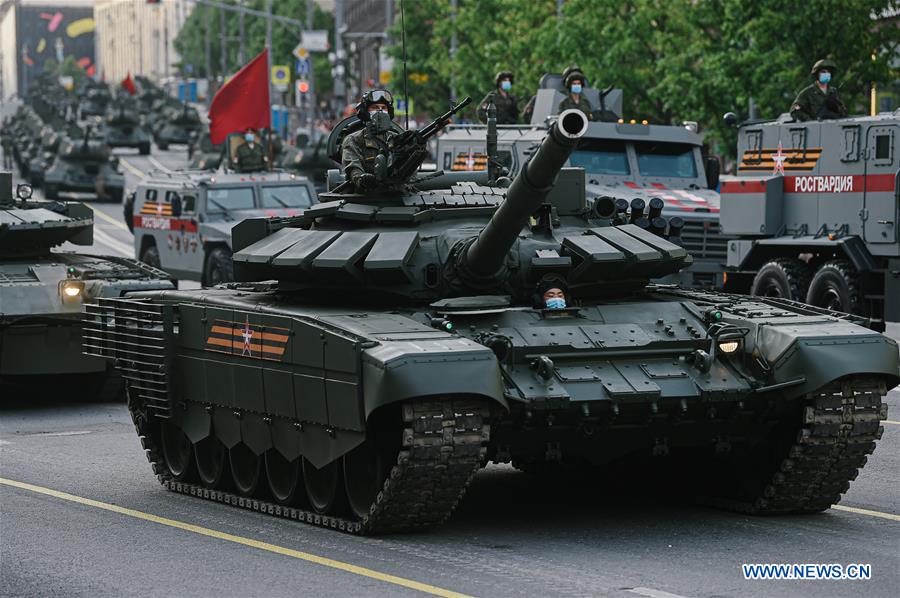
point(162, 145)
point(835, 287)
point(784, 278)
point(51, 191)
point(219, 267)
point(150, 256)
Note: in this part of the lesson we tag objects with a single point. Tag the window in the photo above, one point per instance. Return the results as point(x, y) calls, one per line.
point(601, 156)
point(666, 159)
point(882, 147)
point(286, 196)
point(236, 198)
point(188, 203)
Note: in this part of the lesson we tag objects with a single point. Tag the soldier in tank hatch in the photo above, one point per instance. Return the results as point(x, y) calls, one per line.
point(250, 156)
point(506, 103)
point(359, 149)
point(575, 83)
point(820, 100)
point(551, 292)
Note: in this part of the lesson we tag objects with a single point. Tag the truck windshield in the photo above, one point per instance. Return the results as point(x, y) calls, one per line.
point(666, 159)
point(601, 156)
point(236, 198)
point(286, 196)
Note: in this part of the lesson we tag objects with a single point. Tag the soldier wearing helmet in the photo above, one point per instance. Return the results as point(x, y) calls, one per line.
point(359, 150)
point(575, 82)
point(507, 104)
point(820, 100)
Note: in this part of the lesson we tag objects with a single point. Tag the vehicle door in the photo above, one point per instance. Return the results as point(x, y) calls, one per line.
point(223, 207)
point(180, 250)
point(881, 200)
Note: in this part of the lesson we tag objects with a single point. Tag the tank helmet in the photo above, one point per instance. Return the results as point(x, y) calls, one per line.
point(575, 76)
point(547, 282)
point(823, 64)
point(371, 98)
point(571, 69)
point(504, 75)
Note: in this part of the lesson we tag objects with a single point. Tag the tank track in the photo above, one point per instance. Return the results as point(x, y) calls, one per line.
point(841, 422)
point(444, 445)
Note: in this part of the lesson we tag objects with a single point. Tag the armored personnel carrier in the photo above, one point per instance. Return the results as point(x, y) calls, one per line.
point(123, 127)
point(84, 165)
point(176, 126)
point(402, 341)
point(816, 211)
point(42, 292)
point(627, 159)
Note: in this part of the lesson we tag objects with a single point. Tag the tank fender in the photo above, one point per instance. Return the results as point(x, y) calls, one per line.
point(401, 370)
point(822, 353)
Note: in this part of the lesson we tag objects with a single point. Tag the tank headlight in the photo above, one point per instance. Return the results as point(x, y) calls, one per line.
point(71, 290)
point(729, 346)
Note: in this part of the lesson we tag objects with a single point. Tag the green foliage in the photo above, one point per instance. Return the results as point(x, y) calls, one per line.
point(190, 42)
point(675, 59)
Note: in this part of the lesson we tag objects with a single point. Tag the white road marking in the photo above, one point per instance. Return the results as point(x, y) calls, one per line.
point(131, 168)
point(653, 593)
point(158, 164)
point(72, 433)
point(110, 219)
point(4, 442)
point(118, 247)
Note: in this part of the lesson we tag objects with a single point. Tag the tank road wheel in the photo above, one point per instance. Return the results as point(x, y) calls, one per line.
point(783, 278)
point(246, 467)
point(322, 485)
point(210, 454)
point(177, 450)
point(834, 287)
point(284, 477)
point(219, 267)
point(150, 256)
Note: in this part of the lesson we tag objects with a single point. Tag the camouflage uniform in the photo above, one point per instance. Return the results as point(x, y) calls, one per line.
point(359, 150)
point(812, 103)
point(582, 105)
point(507, 108)
point(250, 159)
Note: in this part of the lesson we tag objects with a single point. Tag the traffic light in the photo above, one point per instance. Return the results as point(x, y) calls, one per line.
point(302, 89)
point(153, 1)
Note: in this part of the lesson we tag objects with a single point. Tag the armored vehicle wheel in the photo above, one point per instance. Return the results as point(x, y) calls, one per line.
point(162, 145)
point(210, 455)
point(51, 191)
point(177, 450)
point(144, 148)
point(834, 287)
point(219, 267)
point(783, 278)
point(150, 256)
point(284, 477)
point(246, 467)
point(322, 485)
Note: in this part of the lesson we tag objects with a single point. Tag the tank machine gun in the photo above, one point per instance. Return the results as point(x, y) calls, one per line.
point(401, 345)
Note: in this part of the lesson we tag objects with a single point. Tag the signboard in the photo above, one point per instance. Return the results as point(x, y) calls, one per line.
point(400, 107)
point(315, 41)
point(281, 77)
point(300, 52)
point(303, 67)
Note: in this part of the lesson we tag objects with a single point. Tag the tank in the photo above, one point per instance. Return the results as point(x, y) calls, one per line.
point(123, 127)
point(42, 292)
point(46, 154)
point(307, 157)
point(94, 101)
point(377, 350)
point(84, 164)
point(176, 127)
point(202, 152)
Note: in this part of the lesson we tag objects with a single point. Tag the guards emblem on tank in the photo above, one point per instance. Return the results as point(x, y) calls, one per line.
point(247, 340)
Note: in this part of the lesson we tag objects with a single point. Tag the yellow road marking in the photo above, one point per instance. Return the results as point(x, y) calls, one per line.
point(203, 531)
point(890, 421)
point(131, 168)
point(110, 219)
point(858, 511)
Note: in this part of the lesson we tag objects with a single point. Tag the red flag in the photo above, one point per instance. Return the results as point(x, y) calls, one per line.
point(128, 84)
point(242, 102)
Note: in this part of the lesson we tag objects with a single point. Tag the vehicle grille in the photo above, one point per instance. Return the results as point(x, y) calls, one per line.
point(138, 337)
point(704, 240)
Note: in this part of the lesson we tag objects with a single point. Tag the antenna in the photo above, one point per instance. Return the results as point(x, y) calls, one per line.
point(405, 77)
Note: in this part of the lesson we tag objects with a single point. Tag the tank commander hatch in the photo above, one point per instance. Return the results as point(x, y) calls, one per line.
point(551, 292)
point(820, 100)
point(359, 149)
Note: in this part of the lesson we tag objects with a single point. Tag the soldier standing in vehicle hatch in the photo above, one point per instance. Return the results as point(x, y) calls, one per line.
point(507, 104)
point(359, 149)
point(575, 83)
point(820, 100)
point(250, 156)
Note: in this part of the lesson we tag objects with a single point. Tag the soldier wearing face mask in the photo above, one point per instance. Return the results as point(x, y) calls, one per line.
point(507, 104)
point(250, 156)
point(575, 83)
point(360, 149)
point(819, 100)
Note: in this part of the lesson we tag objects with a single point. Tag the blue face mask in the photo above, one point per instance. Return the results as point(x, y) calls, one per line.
point(576, 88)
point(505, 85)
point(248, 137)
point(824, 78)
point(555, 303)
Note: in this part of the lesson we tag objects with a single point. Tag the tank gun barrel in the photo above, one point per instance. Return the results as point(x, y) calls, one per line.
point(485, 256)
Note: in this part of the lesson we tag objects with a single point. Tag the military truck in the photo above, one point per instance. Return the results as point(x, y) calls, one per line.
point(182, 221)
point(84, 164)
point(378, 349)
point(815, 212)
point(42, 292)
point(627, 159)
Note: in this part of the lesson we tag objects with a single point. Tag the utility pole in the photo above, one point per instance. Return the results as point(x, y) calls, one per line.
point(340, 84)
point(311, 77)
point(165, 16)
point(206, 46)
point(223, 59)
point(242, 58)
point(453, 8)
point(269, 46)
